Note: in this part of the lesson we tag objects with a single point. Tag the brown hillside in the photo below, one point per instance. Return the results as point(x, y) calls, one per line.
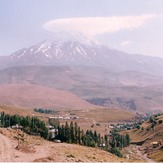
point(34, 148)
point(27, 95)
point(146, 136)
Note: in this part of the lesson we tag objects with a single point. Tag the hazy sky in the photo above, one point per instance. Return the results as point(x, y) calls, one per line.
point(134, 26)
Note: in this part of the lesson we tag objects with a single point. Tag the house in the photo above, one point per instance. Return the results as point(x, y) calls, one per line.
point(111, 127)
point(53, 117)
point(102, 145)
point(66, 118)
point(129, 128)
point(53, 133)
point(155, 144)
point(75, 117)
point(17, 126)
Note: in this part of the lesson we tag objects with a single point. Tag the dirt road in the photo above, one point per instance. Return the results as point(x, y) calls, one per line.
point(6, 149)
point(139, 154)
point(9, 153)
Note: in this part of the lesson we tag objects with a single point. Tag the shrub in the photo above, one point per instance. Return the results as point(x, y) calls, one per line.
point(138, 127)
point(116, 151)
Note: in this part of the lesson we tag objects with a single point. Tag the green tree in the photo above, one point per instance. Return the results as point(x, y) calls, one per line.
point(67, 133)
point(79, 136)
point(72, 137)
point(115, 151)
point(76, 133)
point(128, 139)
point(106, 142)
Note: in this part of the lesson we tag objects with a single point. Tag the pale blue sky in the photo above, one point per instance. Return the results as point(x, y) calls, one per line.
point(22, 22)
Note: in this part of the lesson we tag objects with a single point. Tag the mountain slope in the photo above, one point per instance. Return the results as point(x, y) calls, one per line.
point(128, 90)
point(26, 95)
point(36, 149)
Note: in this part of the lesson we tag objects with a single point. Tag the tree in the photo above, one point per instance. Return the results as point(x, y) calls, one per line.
point(115, 151)
point(2, 119)
point(45, 133)
point(138, 126)
point(82, 137)
point(160, 121)
point(79, 136)
point(67, 133)
point(76, 133)
point(106, 142)
point(142, 128)
point(72, 137)
point(128, 139)
point(95, 136)
point(99, 139)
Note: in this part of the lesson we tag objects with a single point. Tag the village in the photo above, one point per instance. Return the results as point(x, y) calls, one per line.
point(113, 134)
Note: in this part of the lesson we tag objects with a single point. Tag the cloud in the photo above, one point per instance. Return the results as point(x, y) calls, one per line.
point(98, 25)
point(124, 43)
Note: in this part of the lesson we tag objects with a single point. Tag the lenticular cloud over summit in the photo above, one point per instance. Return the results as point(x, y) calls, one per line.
point(98, 25)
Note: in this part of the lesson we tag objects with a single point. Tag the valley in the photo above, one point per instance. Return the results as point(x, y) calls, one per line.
point(81, 81)
point(148, 138)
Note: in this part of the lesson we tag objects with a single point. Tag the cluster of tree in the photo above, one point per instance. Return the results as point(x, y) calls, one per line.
point(118, 142)
point(92, 139)
point(29, 124)
point(154, 120)
point(71, 133)
point(45, 111)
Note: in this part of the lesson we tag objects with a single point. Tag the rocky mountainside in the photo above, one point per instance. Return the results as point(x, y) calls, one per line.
point(127, 90)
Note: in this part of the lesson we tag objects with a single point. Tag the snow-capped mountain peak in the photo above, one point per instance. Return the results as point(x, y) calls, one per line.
point(63, 45)
point(77, 49)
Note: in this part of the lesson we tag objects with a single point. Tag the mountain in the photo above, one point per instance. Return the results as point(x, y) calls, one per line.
point(77, 49)
point(89, 69)
point(63, 48)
